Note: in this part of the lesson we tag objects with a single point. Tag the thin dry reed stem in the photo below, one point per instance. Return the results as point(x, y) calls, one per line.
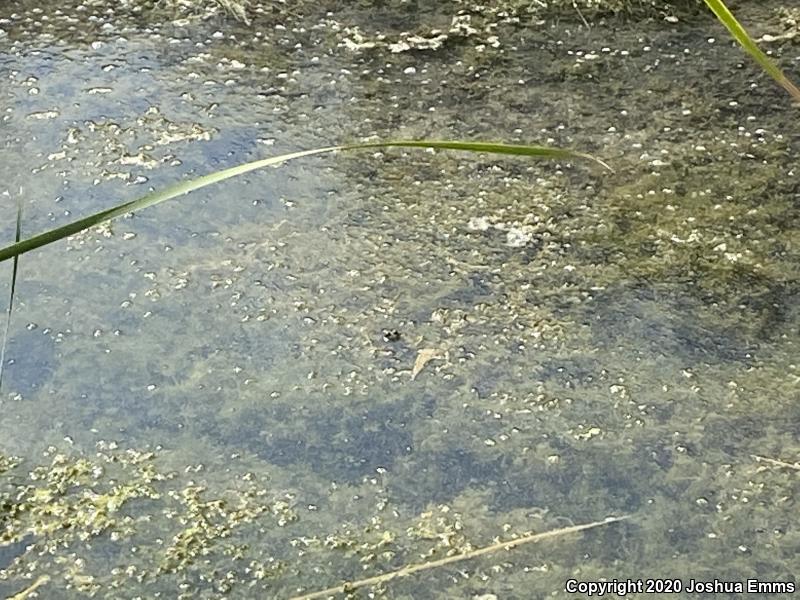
point(411, 569)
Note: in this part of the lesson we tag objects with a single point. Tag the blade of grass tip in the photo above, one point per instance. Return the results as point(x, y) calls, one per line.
point(13, 288)
point(739, 33)
point(185, 187)
point(489, 148)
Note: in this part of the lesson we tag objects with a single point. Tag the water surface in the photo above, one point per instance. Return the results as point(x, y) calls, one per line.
point(605, 344)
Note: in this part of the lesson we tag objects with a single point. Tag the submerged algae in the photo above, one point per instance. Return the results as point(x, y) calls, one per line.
point(159, 533)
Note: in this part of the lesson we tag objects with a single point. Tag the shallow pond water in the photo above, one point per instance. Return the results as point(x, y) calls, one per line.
point(356, 362)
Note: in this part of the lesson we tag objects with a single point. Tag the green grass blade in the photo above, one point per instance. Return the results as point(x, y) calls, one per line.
point(740, 35)
point(59, 233)
point(17, 236)
point(489, 148)
point(174, 191)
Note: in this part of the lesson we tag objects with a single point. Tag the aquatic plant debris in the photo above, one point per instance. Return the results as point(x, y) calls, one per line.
point(348, 587)
point(21, 595)
point(460, 28)
point(776, 462)
point(424, 356)
point(150, 527)
point(120, 499)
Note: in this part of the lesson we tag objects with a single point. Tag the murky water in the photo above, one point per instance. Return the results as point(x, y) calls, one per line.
point(599, 344)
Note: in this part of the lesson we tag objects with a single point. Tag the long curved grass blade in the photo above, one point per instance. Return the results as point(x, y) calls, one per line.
point(59, 233)
point(740, 35)
point(17, 236)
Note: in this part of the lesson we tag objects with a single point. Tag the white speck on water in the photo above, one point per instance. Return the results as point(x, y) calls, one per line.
point(517, 237)
point(479, 224)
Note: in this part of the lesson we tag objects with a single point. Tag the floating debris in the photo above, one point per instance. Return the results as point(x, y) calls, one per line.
point(424, 356)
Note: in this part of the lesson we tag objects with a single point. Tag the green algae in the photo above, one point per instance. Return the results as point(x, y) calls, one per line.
point(101, 522)
point(161, 533)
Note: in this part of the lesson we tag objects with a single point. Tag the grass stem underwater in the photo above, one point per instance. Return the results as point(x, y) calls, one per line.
point(448, 560)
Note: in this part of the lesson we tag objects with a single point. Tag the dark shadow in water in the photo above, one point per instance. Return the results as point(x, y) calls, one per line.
point(438, 477)
point(664, 322)
point(33, 355)
point(342, 446)
point(12, 551)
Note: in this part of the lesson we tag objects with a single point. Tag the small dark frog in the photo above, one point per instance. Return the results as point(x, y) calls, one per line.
point(391, 335)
